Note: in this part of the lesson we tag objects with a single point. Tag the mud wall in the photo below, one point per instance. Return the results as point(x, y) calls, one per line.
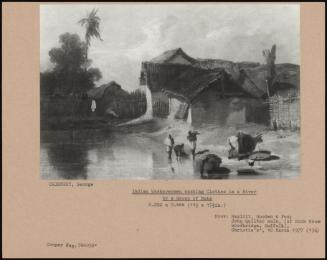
point(210, 108)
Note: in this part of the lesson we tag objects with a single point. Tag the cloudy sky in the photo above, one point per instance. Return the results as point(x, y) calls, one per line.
point(134, 32)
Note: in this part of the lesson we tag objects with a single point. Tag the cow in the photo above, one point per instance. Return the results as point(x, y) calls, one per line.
point(242, 145)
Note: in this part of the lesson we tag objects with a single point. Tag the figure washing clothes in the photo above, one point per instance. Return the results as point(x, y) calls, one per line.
point(169, 142)
point(192, 138)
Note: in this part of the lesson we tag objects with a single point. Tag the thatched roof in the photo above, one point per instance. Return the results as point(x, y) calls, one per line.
point(190, 83)
point(251, 76)
point(226, 64)
point(167, 56)
point(285, 73)
point(98, 93)
point(186, 82)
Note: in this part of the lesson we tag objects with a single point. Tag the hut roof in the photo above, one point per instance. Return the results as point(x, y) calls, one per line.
point(289, 74)
point(167, 56)
point(219, 63)
point(285, 73)
point(97, 93)
point(240, 73)
point(187, 81)
point(189, 84)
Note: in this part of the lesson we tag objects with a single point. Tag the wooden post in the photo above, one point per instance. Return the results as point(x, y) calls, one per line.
point(270, 56)
point(222, 80)
point(267, 86)
point(278, 111)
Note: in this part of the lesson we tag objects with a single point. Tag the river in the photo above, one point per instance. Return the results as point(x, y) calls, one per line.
point(107, 154)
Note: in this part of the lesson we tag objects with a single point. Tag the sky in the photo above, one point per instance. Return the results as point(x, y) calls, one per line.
point(136, 32)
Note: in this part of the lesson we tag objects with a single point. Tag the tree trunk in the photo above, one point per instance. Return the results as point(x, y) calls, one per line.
point(270, 56)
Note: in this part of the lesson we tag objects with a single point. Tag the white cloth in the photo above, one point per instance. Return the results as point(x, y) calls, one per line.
point(93, 105)
point(232, 140)
point(169, 148)
point(168, 142)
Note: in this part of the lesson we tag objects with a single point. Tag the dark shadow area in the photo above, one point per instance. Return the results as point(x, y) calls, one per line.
point(219, 173)
point(247, 171)
point(70, 160)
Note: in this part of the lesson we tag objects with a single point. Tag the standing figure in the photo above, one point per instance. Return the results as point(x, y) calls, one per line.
point(93, 105)
point(192, 139)
point(169, 142)
point(179, 151)
point(233, 147)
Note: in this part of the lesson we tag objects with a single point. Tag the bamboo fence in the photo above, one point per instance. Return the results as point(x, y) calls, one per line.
point(284, 112)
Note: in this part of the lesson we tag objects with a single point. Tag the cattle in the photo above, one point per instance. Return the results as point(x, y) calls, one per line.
point(242, 144)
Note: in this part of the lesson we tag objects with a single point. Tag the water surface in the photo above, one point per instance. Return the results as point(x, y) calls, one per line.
point(105, 154)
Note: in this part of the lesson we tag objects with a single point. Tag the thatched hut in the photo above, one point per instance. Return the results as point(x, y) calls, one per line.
point(201, 94)
point(111, 100)
point(214, 90)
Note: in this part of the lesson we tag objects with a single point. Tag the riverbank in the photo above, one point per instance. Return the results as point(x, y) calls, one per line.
point(138, 151)
point(285, 144)
point(80, 123)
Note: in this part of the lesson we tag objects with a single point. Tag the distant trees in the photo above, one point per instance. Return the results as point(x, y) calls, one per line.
point(63, 88)
point(70, 55)
point(72, 73)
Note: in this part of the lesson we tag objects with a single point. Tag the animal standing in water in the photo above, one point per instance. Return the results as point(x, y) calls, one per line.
point(248, 143)
point(242, 145)
point(192, 138)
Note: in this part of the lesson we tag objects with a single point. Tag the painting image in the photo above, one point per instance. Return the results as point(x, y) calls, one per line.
point(169, 91)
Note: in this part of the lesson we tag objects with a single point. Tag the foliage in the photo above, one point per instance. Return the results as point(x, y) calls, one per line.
point(71, 73)
point(71, 54)
point(92, 27)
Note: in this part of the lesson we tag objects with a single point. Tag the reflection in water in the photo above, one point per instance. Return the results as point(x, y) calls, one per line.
point(217, 177)
point(69, 160)
point(107, 155)
point(170, 162)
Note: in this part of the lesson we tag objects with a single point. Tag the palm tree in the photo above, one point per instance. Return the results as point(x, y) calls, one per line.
point(91, 23)
point(92, 26)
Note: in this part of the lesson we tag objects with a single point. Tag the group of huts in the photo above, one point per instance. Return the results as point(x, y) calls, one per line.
point(199, 91)
point(106, 101)
point(213, 91)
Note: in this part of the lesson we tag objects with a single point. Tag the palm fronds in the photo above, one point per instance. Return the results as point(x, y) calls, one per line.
point(92, 25)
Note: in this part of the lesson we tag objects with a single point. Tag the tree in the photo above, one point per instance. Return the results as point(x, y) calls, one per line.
point(92, 26)
point(71, 54)
point(63, 87)
point(69, 75)
point(48, 83)
point(95, 74)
